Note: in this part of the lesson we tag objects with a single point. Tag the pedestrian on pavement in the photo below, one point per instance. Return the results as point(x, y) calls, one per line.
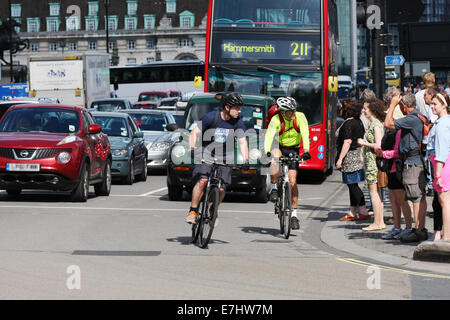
point(350, 161)
point(366, 96)
point(413, 171)
point(374, 110)
point(439, 153)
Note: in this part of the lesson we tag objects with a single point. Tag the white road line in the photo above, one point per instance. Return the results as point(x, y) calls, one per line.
point(123, 209)
point(152, 192)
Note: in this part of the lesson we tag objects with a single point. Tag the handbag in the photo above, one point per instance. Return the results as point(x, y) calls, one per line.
point(382, 179)
point(383, 164)
point(399, 169)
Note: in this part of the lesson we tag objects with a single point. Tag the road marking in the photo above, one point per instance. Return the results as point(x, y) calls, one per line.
point(124, 209)
point(413, 273)
point(152, 192)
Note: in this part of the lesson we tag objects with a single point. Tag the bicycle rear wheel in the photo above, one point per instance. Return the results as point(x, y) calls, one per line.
point(287, 210)
point(208, 219)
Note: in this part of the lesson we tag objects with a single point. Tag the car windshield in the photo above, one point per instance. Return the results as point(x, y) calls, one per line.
point(41, 120)
point(252, 115)
point(150, 121)
point(152, 96)
point(113, 126)
point(108, 106)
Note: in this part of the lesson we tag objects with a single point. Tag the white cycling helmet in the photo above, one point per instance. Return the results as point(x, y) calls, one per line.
point(287, 104)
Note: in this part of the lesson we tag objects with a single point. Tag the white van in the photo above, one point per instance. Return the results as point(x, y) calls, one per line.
point(345, 82)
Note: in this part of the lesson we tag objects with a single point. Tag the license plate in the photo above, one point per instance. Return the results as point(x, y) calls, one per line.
point(23, 167)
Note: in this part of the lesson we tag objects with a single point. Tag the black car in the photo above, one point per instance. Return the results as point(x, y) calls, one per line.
point(180, 167)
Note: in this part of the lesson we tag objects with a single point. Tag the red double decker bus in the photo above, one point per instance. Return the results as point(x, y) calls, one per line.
point(279, 48)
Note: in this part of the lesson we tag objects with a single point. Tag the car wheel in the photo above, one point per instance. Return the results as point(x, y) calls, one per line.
point(13, 192)
point(143, 175)
point(81, 192)
point(175, 192)
point(130, 177)
point(104, 188)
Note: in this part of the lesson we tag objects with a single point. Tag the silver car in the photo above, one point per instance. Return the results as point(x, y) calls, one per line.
point(158, 127)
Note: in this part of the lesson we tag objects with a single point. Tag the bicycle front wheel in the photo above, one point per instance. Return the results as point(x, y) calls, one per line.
point(209, 214)
point(287, 210)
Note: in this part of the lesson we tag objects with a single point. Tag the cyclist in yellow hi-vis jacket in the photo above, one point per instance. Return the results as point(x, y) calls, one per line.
point(289, 128)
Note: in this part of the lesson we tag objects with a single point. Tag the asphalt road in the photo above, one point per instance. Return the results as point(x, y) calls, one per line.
point(135, 244)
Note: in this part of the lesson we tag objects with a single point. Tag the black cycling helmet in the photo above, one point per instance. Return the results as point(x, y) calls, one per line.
point(231, 99)
point(287, 104)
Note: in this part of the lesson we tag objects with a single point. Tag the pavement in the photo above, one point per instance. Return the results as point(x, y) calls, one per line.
point(348, 237)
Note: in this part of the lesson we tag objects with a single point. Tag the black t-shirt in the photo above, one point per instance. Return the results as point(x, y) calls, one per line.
point(350, 129)
point(218, 134)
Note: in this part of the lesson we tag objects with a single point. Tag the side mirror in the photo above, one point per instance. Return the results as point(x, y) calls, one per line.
point(94, 128)
point(171, 127)
point(139, 134)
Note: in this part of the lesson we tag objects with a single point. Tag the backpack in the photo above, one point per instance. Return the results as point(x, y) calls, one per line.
point(427, 124)
point(274, 111)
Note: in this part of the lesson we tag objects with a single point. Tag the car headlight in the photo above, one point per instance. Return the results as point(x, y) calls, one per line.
point(255, 154)
point(178, 151)
point(68, 139)
point(63, 157)
point(119, 152)
point(160, 146)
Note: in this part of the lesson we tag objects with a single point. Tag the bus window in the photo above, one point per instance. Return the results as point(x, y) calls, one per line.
point(267, 13)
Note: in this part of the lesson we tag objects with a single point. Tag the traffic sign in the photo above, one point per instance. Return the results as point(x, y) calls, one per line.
point(394, 60)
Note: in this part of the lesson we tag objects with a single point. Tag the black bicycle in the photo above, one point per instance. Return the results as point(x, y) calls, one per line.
point(283, 206)
point(203, 229)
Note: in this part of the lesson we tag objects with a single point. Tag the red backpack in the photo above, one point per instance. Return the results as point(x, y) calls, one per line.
point(426, 124)
point(273, 110)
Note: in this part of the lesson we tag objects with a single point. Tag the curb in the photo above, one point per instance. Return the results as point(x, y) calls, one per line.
point(333, 234)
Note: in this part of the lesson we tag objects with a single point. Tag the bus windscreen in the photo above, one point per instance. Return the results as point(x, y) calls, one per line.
point(267, 13)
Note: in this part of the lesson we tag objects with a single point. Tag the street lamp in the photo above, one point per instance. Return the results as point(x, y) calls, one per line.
point(106, 3)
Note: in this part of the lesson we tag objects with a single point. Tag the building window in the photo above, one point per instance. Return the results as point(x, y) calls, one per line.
point(54, 9)
point(185, 43)
point(131, 44)
point(73, 46)
point(91, 24)
point(150, 44)
point(34, 47)
point(53, 47)
point(131, 61)
point(92, 45)
point(171, 6)
point(111, 45)
point(16, 10)
point(52, 24)
point(187, 19)
point(149, 21)
point(130, 23)
point(149, 60)
point(72, 23)
point(112, 22)
point(33, 24)
point(93, 8)
point(131, 8)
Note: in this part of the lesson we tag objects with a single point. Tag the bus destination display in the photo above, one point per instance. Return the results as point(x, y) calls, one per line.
point(266, 49)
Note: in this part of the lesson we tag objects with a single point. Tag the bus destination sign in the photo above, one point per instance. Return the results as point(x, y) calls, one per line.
point(266, 49)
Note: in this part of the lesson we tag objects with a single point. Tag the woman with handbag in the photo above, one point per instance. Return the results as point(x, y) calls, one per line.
point(396, 190)
point(349, 160)
point(374, 110)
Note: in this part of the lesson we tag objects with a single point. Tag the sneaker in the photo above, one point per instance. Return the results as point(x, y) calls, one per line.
point(273, 195)
point(192, 217)
point(391, 234)
point(404, 233)
point(294, 223)
point(415, 236)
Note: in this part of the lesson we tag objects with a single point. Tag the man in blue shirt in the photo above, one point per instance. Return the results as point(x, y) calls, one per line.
point(218, 129)
point(414, 177)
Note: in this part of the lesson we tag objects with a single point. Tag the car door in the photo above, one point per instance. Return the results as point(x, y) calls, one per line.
point(95, 145)
point(137, 144)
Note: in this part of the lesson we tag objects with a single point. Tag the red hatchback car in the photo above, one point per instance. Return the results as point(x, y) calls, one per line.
point(53, 147)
